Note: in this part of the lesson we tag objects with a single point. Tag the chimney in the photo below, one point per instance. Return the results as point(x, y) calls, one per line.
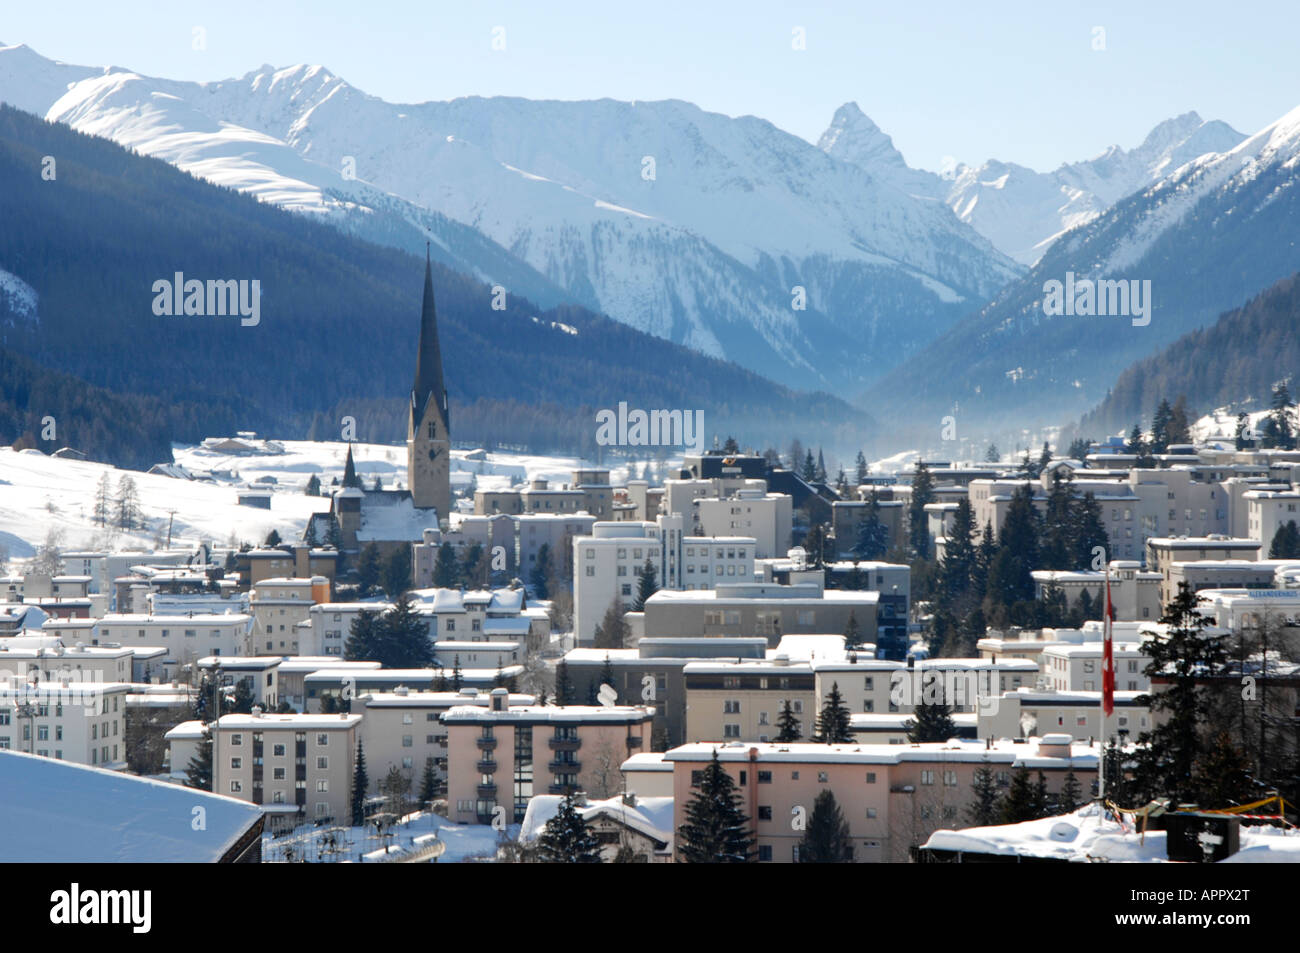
point(500, 699)
point(257, 711)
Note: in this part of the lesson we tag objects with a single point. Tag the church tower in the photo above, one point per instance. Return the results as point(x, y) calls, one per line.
point(428, 440)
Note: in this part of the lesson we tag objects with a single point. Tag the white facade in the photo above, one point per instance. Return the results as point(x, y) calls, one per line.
point(82, 722)
point(186, 638)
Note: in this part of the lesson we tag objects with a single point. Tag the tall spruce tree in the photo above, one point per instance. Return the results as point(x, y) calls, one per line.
point(1070, 797)
point(198, 773)
point(788, 728)
point(826, 840)
point(983, 809)
point(1185, 657)
point(566, 838)
point(565, 692)
point(647, 585)
point(1020, 802)
point(918, 532)
point(873, 535)
point(931, 721)
point(428, 782)
point(716, 830)
point(540, 576)
point(833, 722)
point(360, 786)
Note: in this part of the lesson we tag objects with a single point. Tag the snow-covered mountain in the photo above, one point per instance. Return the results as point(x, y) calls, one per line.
point(1022, 212)
point(1205, 238)
point(691, 225)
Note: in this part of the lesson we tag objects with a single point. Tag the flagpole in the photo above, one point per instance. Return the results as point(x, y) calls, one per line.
point(1106, 663)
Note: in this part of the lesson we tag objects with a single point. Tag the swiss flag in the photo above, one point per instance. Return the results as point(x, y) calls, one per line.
point(1107, 658)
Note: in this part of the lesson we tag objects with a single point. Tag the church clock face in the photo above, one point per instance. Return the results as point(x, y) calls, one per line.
point(433, 453)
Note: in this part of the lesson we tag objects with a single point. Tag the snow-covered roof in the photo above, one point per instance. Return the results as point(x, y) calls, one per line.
point(568, 714)
point(1012, 753)
point(1088, 836)
point(650, 816)
point(59, 812)
point(306, 722)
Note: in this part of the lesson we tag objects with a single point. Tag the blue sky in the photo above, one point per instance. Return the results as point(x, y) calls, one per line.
point(1019, 81)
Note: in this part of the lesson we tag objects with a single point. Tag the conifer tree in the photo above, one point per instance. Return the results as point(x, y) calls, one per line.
point(447, 573)
point(715, 830)
point(826, 840)
point(861, 469)
point(1070, 797)
point(852, 632)
point(922, 494)
point(647, 585)
point(983, 809)
point(397, 572)
point(457, 679)
point(1187, 654)
point(198, 773)
point(833, 723)
point(873, 535)
point(1286, 542)
point(360, 785)
point(1019, 804)
point(607, 674)
point(540, 576)
point(428, 783)
point(565, 693)
point(566, 838)
point(369, 567)
point(931, 721)
point(787, 725)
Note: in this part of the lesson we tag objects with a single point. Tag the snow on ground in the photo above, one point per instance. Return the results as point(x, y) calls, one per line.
point(40, 493)
point(1221, 425)
point(464, 841)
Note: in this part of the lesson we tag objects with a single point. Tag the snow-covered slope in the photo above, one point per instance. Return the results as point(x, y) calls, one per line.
point(1017, 209)
point(687, 224)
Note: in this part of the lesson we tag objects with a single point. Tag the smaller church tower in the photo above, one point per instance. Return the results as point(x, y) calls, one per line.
point(428, 438)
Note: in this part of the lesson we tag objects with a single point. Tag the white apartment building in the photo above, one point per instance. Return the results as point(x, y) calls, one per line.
point(1077, 668)
point(298, 767)
point(277, 605)
point(79, 721)
point(52, 661)
point(605, 567)
point(1027, 713)
point(186, 638)
point(1243, 609)
point(767, 518)
point(331, 624)
point(876, 686)
point(1134, 592)
point(1267, 510)
point(1163, 552)
point(260, 673)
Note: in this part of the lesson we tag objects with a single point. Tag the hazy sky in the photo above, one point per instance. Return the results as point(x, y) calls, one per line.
point(1019, 81)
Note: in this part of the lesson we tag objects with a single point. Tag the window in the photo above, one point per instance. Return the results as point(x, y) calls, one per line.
point(731, 707)
point(591, 570)
point(236, 740)
point(871, 777)
point(236, 787)
point(871, 813)
point(322, 785)
point(322, 764)
point(765, 852)
point(236, 764)
point(927, 777)
point(322, 739)
point(765, 777)
point(277, 750)
point(950, 778)
point(731, 731)
point(822, 777)
point(407, 741)
point(277, 774)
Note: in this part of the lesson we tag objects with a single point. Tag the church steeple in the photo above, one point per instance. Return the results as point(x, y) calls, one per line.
point(350, 471)
point(428, 437)
point(428, 358)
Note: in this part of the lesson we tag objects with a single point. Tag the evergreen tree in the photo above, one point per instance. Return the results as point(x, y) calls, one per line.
point(1079, 449)
point(788, 728)
point(715, 830)
point(198, 773)
point(363, 637)
point(1071, 796)
point(369, 567)
point(873, 535)
point(243, 701)
point(565, 693)
point(833, 723)
point(613, 631)
point(993, 454)
point(931, 721)
point(1286, 542)
point(729, 446)
point(1240, 438)
point(429, 783)
point(360, 785)
point(1160, 427)
point(457, 679)
point(820, 474)
point(1281, 432)
point(814, 544)
point(1223, 777)
point(852, 632)
point(1009, 578)
point(397, 572)
point(983, 809)
point(1180, 429)
point(1042, 800)
point(313, 485)
point(861, 469)
point(826, 840)
point(647, 585)
point(1168, 752)
point(447, 573)
point(566, 839)
point(1044, 458)
point(540, 577)
point(922, 494)
point(272, 540)
point(958, 565)
point(809, 473)
point(1020, 802)
point(474, 567)
point(1087, 532)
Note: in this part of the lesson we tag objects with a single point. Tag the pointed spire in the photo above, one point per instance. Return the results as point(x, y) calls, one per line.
point(350, 471)
point(428, 361)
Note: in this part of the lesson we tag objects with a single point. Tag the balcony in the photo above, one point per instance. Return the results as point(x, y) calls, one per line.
point(564, 744)
point(487, 766)
point(487, 791)
point(486, 744)
point(562, 789)
point(564, 767)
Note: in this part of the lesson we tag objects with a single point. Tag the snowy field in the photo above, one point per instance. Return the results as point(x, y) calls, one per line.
point(40, 495)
